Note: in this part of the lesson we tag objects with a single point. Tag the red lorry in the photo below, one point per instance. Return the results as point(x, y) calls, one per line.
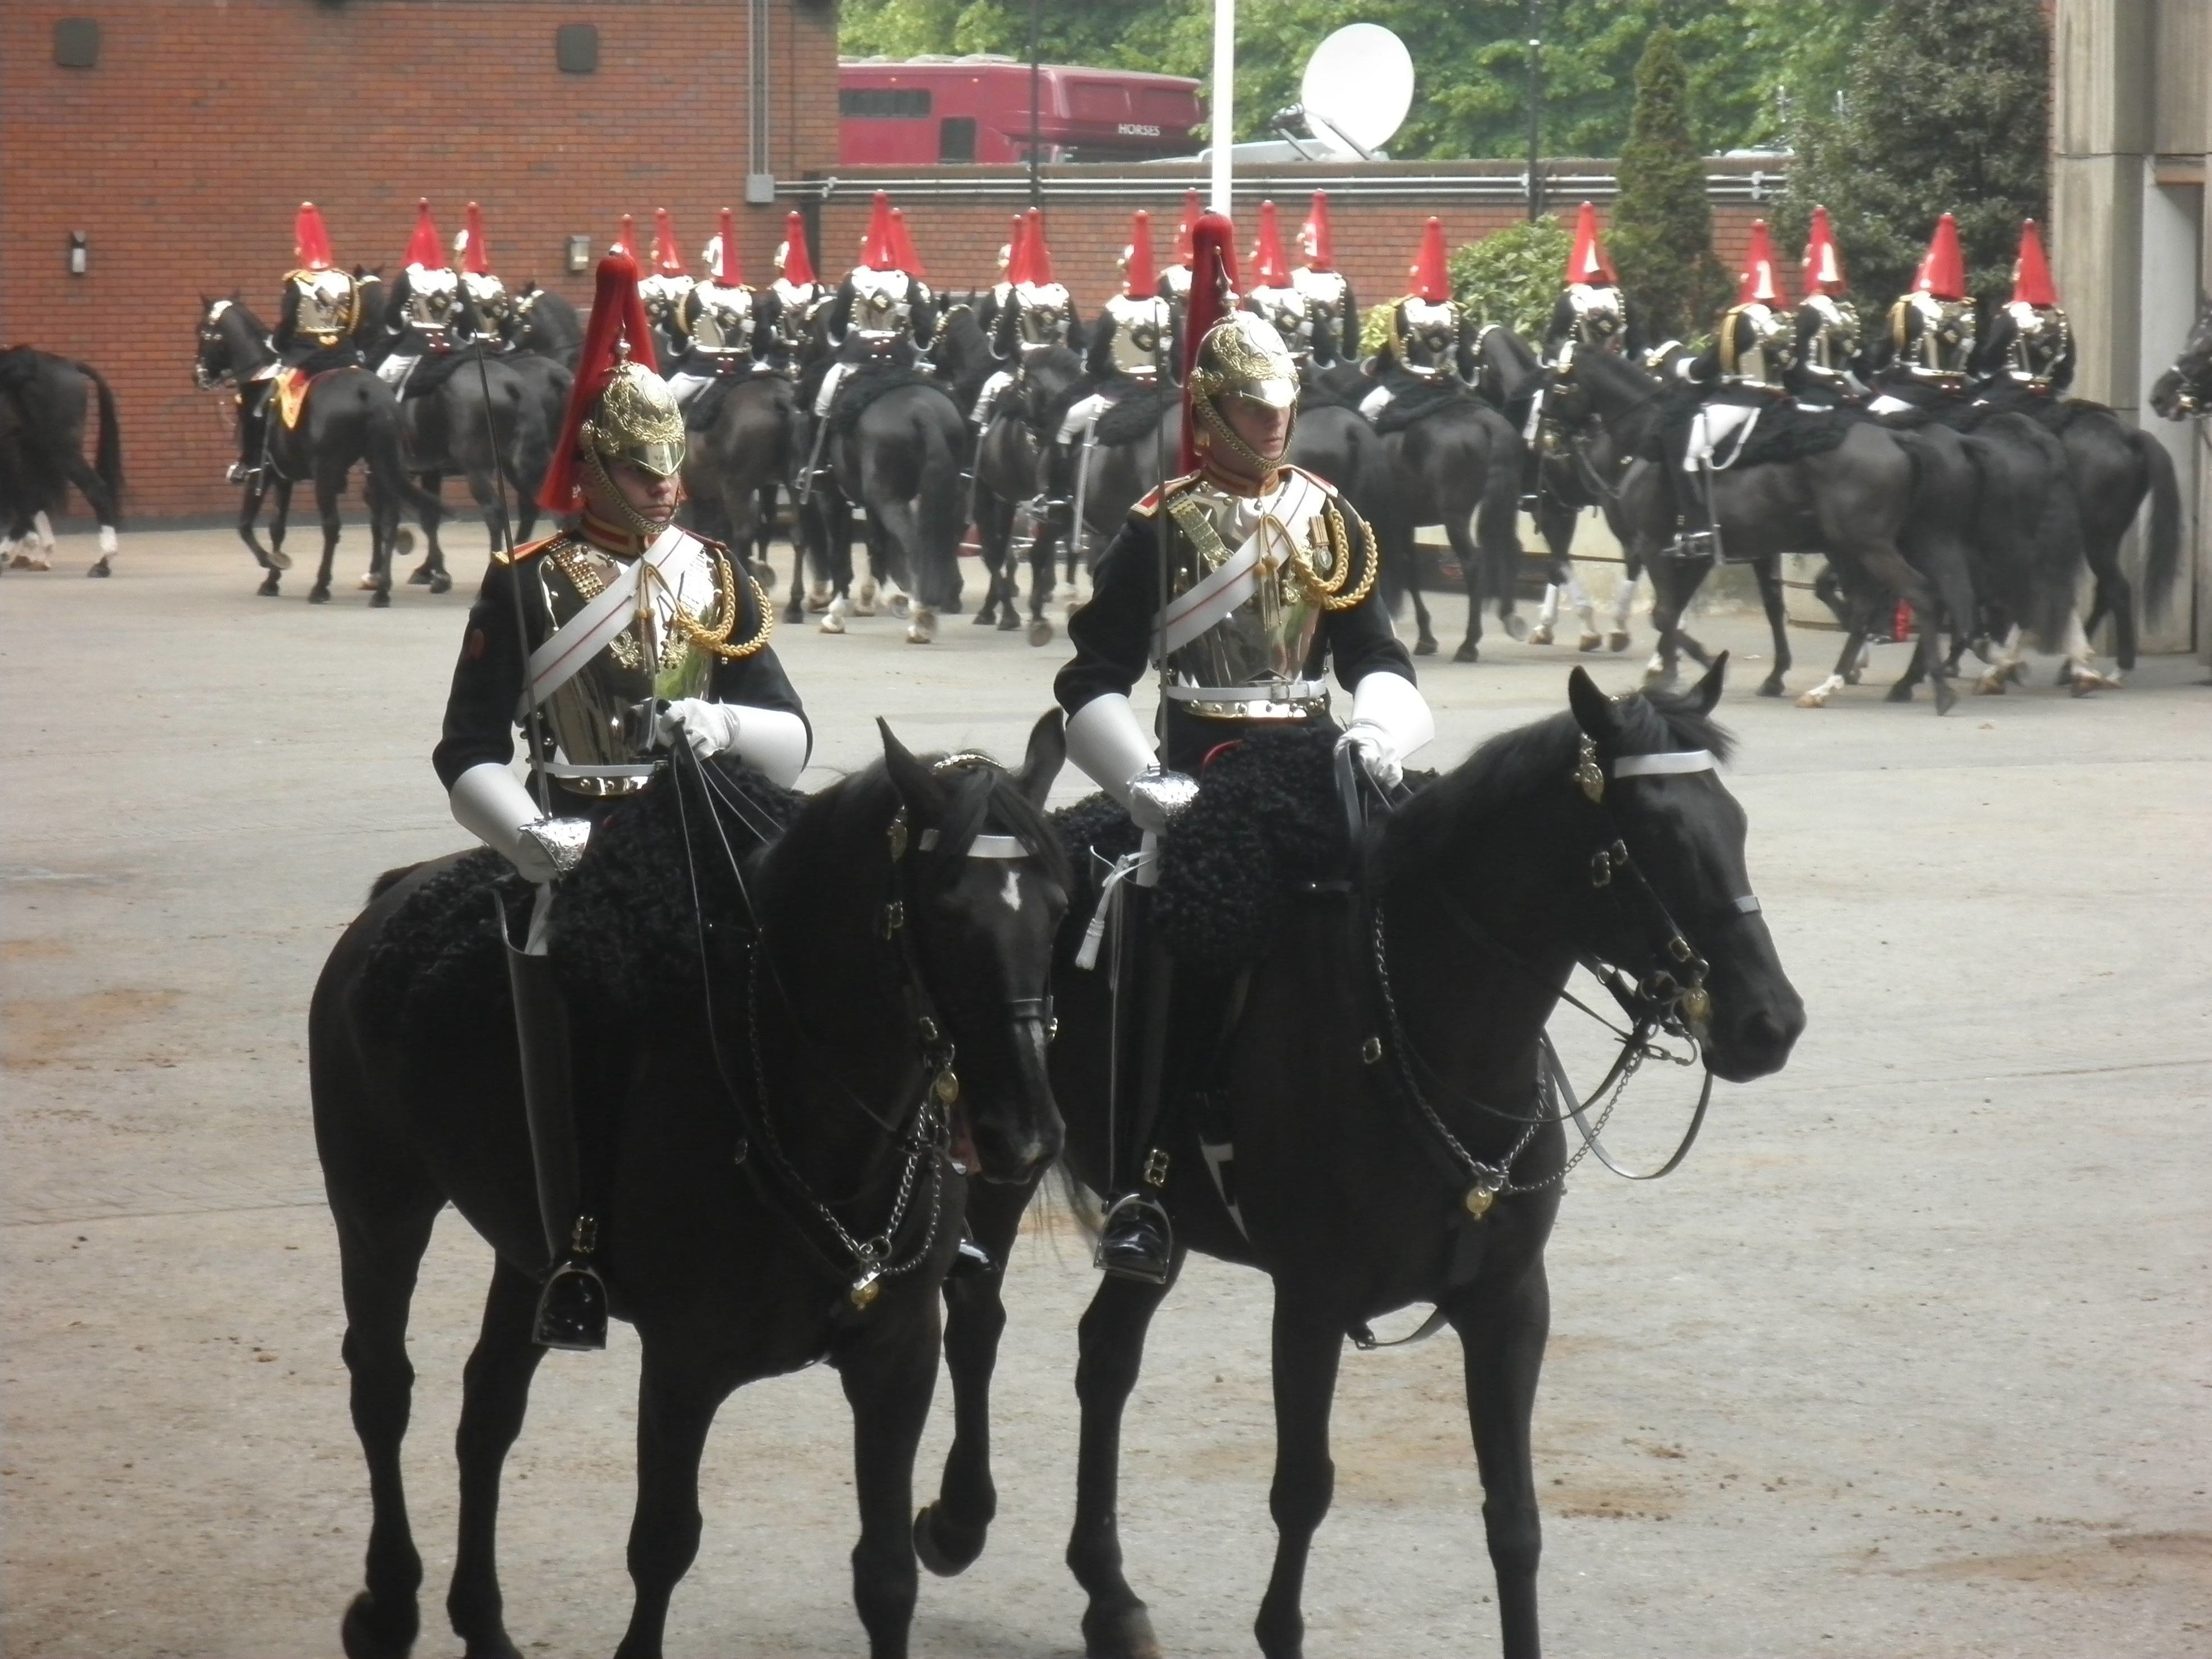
point(929, 110)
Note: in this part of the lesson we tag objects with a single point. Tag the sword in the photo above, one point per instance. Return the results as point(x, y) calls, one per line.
point(533, 721)
point(1083, 478)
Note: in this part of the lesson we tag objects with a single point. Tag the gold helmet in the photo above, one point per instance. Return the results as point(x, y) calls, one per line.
point(619, 408)
point(637, 419)
point(1241, 356)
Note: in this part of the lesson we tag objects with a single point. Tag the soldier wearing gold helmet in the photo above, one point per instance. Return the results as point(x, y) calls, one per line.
point(1240, 580)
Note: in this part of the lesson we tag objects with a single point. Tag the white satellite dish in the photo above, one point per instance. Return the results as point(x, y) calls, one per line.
point(1358, 86)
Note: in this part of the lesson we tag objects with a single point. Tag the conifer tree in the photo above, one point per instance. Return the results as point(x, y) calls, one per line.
point(1661, 235)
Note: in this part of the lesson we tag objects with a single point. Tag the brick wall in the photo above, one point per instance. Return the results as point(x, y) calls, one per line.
point(960, 214)
point(183, 155)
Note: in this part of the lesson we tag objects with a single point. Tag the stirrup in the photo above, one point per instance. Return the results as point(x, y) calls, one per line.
point(1136, 1241)
point(572, 1308)
point(1695, 544)
point(969, 1259)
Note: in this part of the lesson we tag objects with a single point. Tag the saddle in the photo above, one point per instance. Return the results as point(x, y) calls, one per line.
point(292, 385)
point(1412, 398)
point(1135, 416)
point(866, 383)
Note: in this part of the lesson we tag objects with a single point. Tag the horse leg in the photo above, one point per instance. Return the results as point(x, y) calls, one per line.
point(1890, 569)
point(377, 1258)
point(1843, 674)
point(895, 535)
point(1673, 582)
point(2078, 671)
point(677, 1396)
point(433, 557)
point(1043, 560)
point(1624, 601)
point(1501, 1334)
point(280, 520)
point(1470, 574)
point(1401, 561)
point(888, 1386)
point(949, 1534)
point(249, 509)
point(1769, 574)
point(494, 1393)
point(994, 540)
point(1560, 574)
point(1306, 1351)
point(326, 509)
point(1110, 1350)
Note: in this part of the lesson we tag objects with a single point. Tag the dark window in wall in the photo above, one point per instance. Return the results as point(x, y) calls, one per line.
point(956, 138)
point(76, 42)
point(576, 48)
point(885, 103)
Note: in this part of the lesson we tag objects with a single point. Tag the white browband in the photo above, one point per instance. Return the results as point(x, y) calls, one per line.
point(1663, 765)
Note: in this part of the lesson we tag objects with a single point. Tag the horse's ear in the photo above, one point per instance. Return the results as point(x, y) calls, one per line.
point(1047, 753)
point(1707, 691)
point(915, 787)
point(1594, 710)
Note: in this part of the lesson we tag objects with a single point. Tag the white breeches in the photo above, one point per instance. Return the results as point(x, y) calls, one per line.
point(393, 371)
point(684, 387)
point(999, 380)
point(1375, 402)
point(830, 382)
point(1716, 423)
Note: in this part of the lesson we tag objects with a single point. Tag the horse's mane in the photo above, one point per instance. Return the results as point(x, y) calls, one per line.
point(1509, 767)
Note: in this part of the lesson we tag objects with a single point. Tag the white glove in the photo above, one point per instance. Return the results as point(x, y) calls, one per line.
point(490, 802)
point(1391, 723)
point(1104, 739)
point(772, 741)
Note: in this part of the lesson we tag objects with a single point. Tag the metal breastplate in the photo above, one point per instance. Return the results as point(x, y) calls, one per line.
point(1935, 338)
point(1427, 334)
point(1175, 282)
point(1041, 317)
point(1326, 292)
point(725, 322)
point(489, 297)
point(798, 301)
point(1597, 314)
point(326, 304)
point(1754, 348)
point(2037, 343)
point(883, 303)
point(1285, 309)
point(1140, 330)
point(664, 297)
point(432, 297)
point(1833, 339)
point(1263, 644)
point(601, 720)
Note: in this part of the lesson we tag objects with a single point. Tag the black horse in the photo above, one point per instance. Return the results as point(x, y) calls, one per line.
point(739, 450)
point(544, 322)
point(1456, 464)
point(1852, 501)
point(1026, 420)
point(351, 418)
point(43, 402)
point(2185, 390)
point(773, 1081)
point(1380, 1081)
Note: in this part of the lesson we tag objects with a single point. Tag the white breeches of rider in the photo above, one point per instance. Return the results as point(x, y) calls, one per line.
point(1081, 413)
point(684, 387)
point(394, 370)
point(1529, 432)
point(979, 416)
point(830, 382)
point(1714, 425)
point(1375, 402)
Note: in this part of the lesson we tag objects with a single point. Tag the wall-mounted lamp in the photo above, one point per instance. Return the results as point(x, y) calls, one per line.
point(580, 254)
point(80, 253)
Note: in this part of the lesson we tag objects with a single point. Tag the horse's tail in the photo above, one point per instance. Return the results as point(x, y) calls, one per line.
point(530, 455)
point(108, 459)
point(1497, 513)
point(941, 499)
point(2162, 556)
point(387, 467)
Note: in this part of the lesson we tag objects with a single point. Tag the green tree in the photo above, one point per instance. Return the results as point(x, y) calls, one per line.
point(1948, 111)
point(1662, 225)
point(1512, 275)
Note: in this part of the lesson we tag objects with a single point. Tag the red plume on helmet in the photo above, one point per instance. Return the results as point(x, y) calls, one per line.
point(617, 319)
point(423, 247)
point(797, 264)
point(1943, 273)
point(1036, 268)
point(477, 260)
point(1824, 262)
point(310, 243)
point(667, 258)
point(626, 241)
point(1586, 260)
point(1755, 283)
point(1315, 235)
point(729, 264)
point(1268, 268)
point(1016, 230)
point(2031, 272)
point(877, 251)
point(907, 256)
point(1212, 296)
point(1432, 280)
point(1184, 245)
point(1143, 279)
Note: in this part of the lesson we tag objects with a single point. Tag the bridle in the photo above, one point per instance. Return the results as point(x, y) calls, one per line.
point(922, 1132)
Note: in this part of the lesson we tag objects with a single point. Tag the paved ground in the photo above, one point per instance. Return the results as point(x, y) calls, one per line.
point(1911, 1357)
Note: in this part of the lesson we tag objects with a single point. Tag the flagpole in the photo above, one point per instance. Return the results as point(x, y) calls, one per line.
point(1223, 114)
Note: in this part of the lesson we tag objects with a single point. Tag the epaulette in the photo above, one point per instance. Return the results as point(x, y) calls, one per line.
point(1150, 502)
point(1319, 483)
point(528, 552)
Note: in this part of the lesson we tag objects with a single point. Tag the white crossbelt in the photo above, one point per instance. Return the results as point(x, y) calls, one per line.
point(582, 638)
point(1190, 614)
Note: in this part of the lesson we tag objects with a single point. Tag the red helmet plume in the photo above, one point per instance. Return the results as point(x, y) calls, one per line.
point(618, 319)
point(1432, 280)
point(2031, 272)
point(1756, 282)
point(1586, 260)
point(877, 250)
point(1314, 236)
point(310, 243)
point(1143, 279)
point(1212, 297)
point(1824, 261)
point(907, 256)
point(423, 247)
point(667, 258)
point(797, 264)
point(1035, 258)
point(1184, 247)
point(1943, 273)
point(729, 266)
point(475, 258)
point(626, 240)
point(1268, 268)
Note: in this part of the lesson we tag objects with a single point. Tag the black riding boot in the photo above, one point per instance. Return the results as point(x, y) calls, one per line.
point(1136, 1239)
point(572, 1307)
point(1696, 535)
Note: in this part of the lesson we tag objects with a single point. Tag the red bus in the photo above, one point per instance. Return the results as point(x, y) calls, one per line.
point(926, 110)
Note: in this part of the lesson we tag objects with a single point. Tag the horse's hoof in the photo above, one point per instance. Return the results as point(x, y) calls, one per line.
point(922, 627)
point(403, 542)
point(860, 607)
point(1541, 633)
point(1467, 653)
point(900, 606)
point(367, 582)
point(101, 567)
point(2087, 680)
point(765, 573)
point(441, 583)
point(1617, 641)
point(953, 607)
point(1514, 628)
point(818, 599)
point(379, 599)
point(794, 612)
point(1009, 620)
point(1424, 647)
point(268, 588)
point(369, 1632)
point(419, 576)
point(279, 559)
point(1991, 684)
point(1901, 692)
point(1816, 698)
point(319, 594)
point(1590, 643)
point(1121, 1633)
point(946, 1550)
point(1040, 631)
point(1944, 696)
point(985, 616)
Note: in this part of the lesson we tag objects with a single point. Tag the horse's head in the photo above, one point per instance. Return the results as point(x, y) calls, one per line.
point(1668, 898)
point(983, 886)
point(229, 346)
point(2186, 388)
point(1047, 372)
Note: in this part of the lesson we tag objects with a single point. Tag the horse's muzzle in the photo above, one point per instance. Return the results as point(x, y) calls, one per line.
point(1755, 1040)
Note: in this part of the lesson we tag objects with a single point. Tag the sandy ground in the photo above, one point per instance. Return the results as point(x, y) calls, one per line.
point(1910, 1358)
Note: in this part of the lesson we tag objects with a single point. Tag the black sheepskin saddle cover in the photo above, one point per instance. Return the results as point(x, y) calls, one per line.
point(1265, 820)
point(2054, 415)
point(1318, 394)
point(1134, 417)
point(1784, 433)
point(870, 381)
point(1412, 398)
point(439, 366)
point(705, 409)
point(624, 935)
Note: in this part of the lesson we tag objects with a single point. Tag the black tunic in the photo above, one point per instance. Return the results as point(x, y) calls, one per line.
point(1116, 633)
point(488, 681)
